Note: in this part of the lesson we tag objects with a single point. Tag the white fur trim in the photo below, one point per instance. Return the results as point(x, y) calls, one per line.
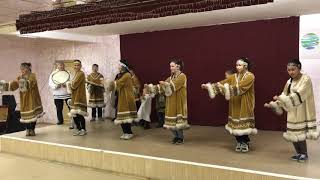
point(159, 89)
point(220, 90)
point(286, 101)
point(227, 93)
point(211, 91)
point(276, 108)
point(23, 85)
point(152, 88)
point(291, 137)
point(177, 127)
point(95, 105)
point(74, 112)
point(69, 102)
point(117, 122)
point(69, 90)
point(32, 119)
point(314, 135)
point(167, 89)
point(240, 132)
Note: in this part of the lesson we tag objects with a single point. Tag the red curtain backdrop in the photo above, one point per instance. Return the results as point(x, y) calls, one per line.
point(208, 52)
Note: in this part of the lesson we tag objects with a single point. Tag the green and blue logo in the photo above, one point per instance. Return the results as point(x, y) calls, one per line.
point(310, 41)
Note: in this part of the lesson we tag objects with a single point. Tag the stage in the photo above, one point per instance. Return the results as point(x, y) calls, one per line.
point(208, 152)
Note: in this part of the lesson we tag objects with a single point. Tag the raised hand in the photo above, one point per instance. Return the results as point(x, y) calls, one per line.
point(204, 86)
point(267, 105)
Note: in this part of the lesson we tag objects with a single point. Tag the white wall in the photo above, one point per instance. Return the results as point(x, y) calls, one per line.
point(310, 58)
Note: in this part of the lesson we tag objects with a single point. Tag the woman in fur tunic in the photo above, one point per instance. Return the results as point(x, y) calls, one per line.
point(298, 100)
point(30, 101)
point(96, 92)
point(78, 103)
point(126, 106)
point(238, 89)
point(176, 110)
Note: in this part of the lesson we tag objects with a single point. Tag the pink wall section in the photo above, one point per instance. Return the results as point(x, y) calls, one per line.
point(42, 53)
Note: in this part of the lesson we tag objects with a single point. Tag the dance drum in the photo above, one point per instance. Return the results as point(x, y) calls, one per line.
point(2, 86)
point(60, 77)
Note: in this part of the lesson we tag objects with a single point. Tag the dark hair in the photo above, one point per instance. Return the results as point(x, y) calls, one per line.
point(230, 71)
point(295, 62)
point(130, 67)
point(247, 61)
point(77, 60)
point(179, 62)
point(95, 65)
point(26, 65)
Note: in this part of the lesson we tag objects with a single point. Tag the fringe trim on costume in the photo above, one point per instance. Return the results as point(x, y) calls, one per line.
point(32, 119)
point(276, 108)
point(95, 105)
point(177, 127)
point(211, 91)
point(227, 93)
point(167, 89)
point(240, 132)
point(293, 137)
point(74, 112)
point(286, 102)
point(313, 135)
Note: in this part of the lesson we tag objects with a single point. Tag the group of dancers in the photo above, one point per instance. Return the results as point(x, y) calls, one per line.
point(297, 100)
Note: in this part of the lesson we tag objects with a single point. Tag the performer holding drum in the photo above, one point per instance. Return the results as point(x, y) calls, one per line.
point(96, 89)
point(57, 82)
point(30, 101)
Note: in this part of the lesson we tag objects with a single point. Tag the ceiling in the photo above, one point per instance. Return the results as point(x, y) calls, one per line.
point(280, 8)
point(10, 9)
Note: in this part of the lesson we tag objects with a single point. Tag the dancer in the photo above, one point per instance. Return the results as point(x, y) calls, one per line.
point(238, 89)
point(126, 107)
point(78, 103)
point(96, 93)
point(176, 110)
point(298, 100)
point(30, 102)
